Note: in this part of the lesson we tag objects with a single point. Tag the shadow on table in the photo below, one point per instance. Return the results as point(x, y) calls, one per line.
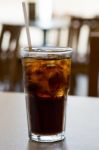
point(47, 146)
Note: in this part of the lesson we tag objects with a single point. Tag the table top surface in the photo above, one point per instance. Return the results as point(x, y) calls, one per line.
point(52, 24)
point(82, 127)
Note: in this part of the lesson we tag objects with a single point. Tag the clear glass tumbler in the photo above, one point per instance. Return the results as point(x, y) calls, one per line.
point(46, 80)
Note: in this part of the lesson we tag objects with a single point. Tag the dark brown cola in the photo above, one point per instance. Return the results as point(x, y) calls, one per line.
point(46, 85)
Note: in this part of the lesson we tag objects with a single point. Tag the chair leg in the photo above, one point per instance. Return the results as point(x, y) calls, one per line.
point(72, 85)
point(93, 84)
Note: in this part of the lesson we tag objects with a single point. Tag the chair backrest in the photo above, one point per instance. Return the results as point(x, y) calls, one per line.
point(9, 43)
point(9, 39)
point(94, 25)
point(74, 31)
point(78, 27)
point(90, 64)
point(94, 65)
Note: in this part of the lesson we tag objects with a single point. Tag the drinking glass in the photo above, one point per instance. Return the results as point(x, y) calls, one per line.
point(46, 74)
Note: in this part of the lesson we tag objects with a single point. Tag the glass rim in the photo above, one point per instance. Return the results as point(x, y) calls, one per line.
point(46, 51)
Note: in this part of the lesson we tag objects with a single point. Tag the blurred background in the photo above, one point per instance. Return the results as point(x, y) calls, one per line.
point(66, 23)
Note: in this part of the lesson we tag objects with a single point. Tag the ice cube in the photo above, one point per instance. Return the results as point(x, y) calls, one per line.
point(56, 81)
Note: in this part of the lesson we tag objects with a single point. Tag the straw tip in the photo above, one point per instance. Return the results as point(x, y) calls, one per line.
point(27, 25)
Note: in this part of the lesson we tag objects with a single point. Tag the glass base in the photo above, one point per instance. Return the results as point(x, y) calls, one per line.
point(47, 138)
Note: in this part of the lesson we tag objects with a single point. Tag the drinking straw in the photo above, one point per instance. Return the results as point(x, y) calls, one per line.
point(27, 26)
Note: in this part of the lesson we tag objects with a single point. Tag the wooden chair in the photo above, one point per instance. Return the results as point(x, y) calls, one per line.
point(94, 65)
point(74, 31)
point(10, 67)
point(79, 63)
point(89, 64)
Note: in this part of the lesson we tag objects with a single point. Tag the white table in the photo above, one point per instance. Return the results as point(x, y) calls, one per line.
point(82, 125)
